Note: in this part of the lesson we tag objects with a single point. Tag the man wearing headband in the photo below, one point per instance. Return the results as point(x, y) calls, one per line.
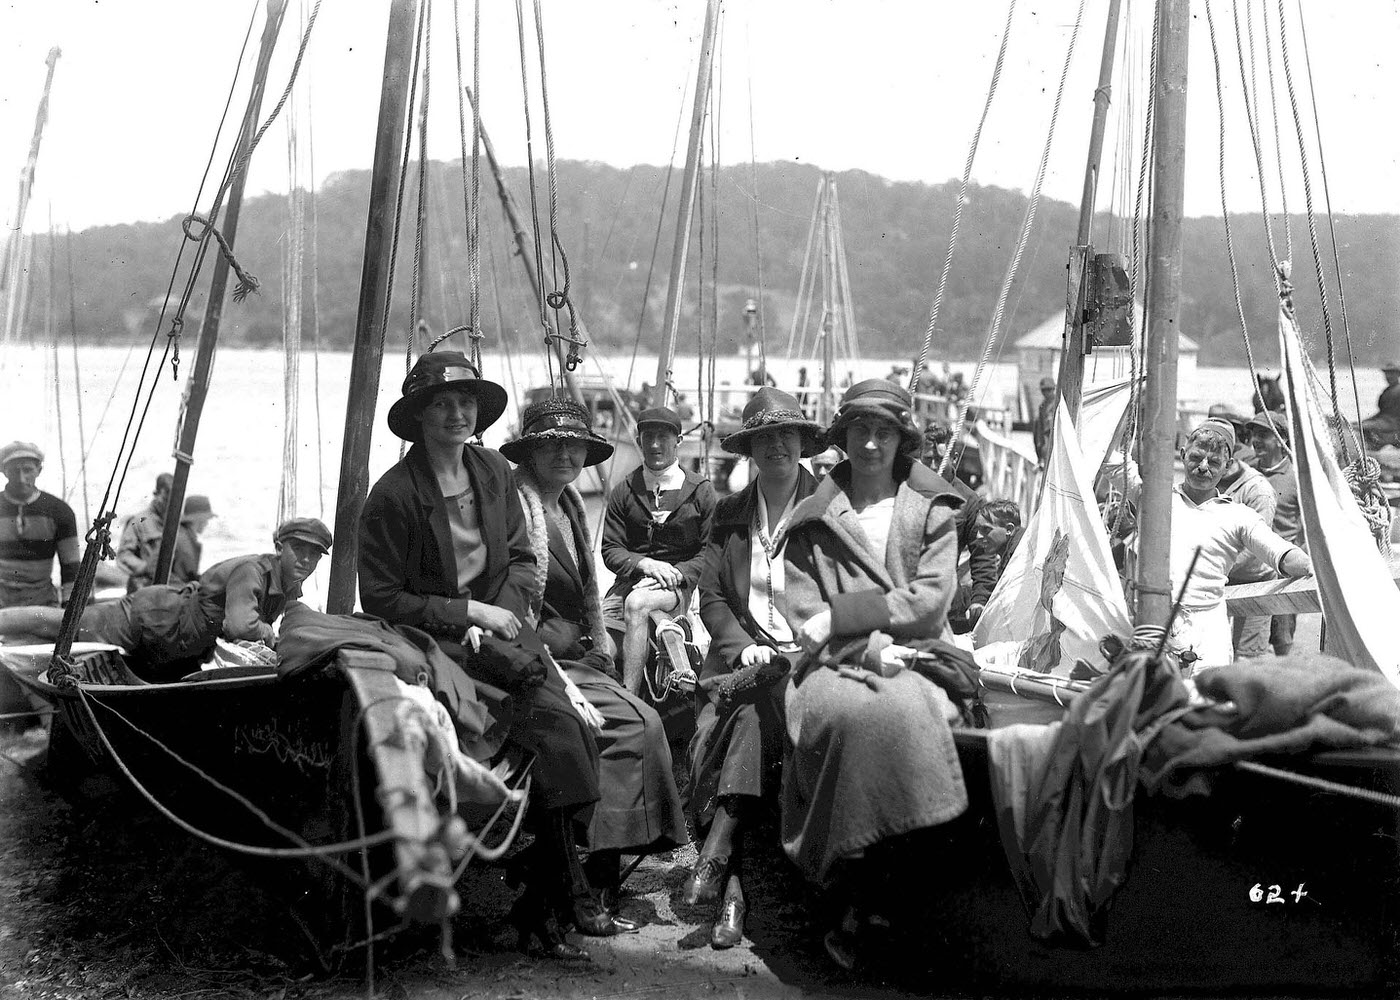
point(1222, 529)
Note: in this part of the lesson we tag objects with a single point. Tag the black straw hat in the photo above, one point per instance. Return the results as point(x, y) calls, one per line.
point(438, 370)
point(773, 409)
point(556, 419)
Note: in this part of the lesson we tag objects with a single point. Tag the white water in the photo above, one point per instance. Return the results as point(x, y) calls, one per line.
point(238, 461)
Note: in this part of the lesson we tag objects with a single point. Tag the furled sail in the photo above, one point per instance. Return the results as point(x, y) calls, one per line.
point(1360, 602)
point(1060, 592)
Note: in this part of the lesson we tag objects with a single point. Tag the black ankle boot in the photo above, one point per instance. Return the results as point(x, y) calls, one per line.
point(590, 916)
point(533, 918)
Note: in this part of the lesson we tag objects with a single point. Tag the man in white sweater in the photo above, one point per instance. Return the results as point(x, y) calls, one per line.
point(1222, 529)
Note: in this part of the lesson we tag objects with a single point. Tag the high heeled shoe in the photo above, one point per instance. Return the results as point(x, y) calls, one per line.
point(532, 920)
point(706, 880)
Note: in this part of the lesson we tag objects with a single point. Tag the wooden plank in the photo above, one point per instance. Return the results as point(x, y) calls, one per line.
point(1280, 597)
point(426, 894)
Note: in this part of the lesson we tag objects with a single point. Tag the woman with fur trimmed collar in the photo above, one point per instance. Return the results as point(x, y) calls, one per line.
point(640, 810)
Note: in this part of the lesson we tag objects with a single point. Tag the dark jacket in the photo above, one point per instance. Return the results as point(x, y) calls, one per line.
point(984, 566)
point(249, 589)
point(724, 583)
point(631, 535)
point(408, 572)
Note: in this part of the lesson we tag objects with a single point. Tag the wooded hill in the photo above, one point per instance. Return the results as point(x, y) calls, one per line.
point(896, 237)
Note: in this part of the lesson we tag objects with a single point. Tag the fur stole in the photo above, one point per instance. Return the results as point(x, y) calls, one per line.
point(537, 527)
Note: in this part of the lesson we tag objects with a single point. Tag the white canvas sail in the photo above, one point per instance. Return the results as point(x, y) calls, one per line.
point(1360, 602)
point(1101, 420)
point(1060, 592)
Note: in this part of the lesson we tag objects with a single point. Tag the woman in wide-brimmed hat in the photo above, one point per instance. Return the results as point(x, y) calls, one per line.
point(640, 809)
point(736, 755)
point(443, 547)
point(871, 556)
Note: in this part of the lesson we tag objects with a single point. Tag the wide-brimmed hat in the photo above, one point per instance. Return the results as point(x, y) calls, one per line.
point(877, 397)
point(772, 409)
point(305, 529)
point(438, 370)
point(1391, 366)
point(196, 506)
point(1268, 421)
point(556, 419)
point(16, 450)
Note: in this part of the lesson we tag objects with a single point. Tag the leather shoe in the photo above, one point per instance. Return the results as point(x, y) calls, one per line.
point(706, 881)
point(612, 906)
point(729, 927)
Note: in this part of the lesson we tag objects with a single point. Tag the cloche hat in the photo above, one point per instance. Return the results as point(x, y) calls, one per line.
point(772, 409)
point(438, 370)
point(556, 419)
point(877, 397)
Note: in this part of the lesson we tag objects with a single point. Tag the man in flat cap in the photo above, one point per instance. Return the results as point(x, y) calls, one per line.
point(658, 519)
point(34, 528)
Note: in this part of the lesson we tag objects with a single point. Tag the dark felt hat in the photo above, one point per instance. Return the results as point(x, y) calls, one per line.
point(438, 370)
point(659, 416)
point(196, 505)
point(1391, 366)
point(1267, 421)
point(876, 397)
point(556, 419)
point(773, 409)
point(305, 529)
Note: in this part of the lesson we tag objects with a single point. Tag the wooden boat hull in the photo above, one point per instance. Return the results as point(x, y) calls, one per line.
point(1195, 910)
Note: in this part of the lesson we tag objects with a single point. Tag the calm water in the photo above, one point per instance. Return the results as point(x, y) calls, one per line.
point(238, 461)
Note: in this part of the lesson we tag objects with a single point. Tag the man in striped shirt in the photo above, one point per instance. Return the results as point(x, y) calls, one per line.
point(34, 528)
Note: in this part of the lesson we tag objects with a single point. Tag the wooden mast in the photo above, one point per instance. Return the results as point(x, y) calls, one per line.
point(197, 389)
point(12, 264)
point(374, 292)
point(1163, 306)
point(681, 249)
point(1072, 353)
point(522, 249)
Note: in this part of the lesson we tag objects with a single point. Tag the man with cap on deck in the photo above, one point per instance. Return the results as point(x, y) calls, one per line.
point(1044, 424)
point(1269, 434)
point(34, 528)
point(167, 631)
point(140, 545)
point(1222, 529)
point(658, 519)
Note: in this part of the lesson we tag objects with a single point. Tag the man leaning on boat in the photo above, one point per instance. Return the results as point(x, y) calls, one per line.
point(168, 631)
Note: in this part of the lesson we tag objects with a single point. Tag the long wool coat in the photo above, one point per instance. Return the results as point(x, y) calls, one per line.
point(870, 756)
point(408, 575)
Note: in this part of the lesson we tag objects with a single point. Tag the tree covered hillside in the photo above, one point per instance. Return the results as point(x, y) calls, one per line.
point(895, 234)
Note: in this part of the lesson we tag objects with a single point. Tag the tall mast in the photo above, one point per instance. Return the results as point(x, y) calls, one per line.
point(1163, 307)
point(828, 401)
point(681, 249)
point(197, 389)
point(366, 360)
point(522, 249)
point(11, 266)
point(1072, 354)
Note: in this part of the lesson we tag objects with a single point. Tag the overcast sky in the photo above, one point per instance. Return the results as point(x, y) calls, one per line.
point(894, 88)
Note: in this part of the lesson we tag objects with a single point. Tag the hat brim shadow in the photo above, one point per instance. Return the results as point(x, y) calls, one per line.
point(490, 405)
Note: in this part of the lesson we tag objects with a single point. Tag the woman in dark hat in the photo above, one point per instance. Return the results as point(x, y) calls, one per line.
point(871, 556)
point(736, 755)
point(443, 548)
point(640, 810)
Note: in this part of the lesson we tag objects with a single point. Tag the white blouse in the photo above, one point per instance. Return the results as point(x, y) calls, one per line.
point(766, 574)
point(875, 522)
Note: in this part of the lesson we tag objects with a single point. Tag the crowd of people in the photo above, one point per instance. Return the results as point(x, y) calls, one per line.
point(816, 582)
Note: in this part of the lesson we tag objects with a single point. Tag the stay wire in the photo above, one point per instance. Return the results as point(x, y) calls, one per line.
point(534, 197)
point(952, 454)
point(1331, 227)
point(1273, 104)
point(420, 217)
point(757, 244)
point(1312, 229)
point(1252, 118)
point(937, 306)
point(77, 379)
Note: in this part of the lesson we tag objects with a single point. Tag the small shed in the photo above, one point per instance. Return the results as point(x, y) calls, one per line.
point(1038, 355)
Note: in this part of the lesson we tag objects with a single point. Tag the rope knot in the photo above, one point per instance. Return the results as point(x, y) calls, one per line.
point(247, 283)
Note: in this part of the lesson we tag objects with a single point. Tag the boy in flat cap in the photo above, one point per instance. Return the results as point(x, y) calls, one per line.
point(654, 535)
point(168, 630)
point(34, 528)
